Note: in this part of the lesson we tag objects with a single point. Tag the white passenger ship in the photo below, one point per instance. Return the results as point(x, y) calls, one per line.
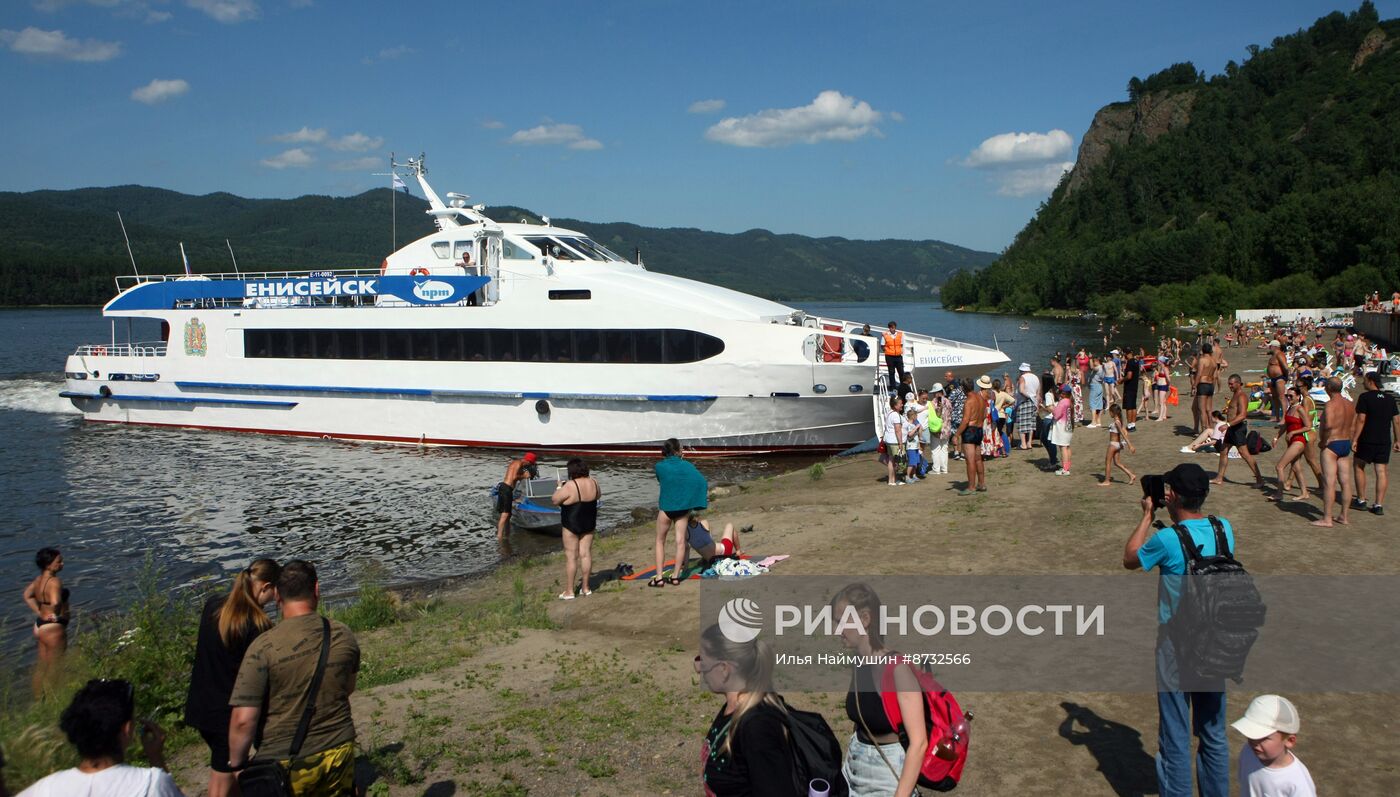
point(543, 339)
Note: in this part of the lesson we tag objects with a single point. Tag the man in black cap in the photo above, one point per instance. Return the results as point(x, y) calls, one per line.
point(1180, 715)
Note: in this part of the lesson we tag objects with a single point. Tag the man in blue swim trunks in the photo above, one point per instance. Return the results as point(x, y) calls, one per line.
point(1335, 443)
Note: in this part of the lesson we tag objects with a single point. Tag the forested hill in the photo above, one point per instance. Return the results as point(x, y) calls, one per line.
point(1275, 184)
point(64, 247)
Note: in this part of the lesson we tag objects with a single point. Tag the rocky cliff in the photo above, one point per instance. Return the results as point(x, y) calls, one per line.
point(1124, 123)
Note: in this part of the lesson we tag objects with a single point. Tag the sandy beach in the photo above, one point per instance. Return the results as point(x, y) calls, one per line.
point(597, 696)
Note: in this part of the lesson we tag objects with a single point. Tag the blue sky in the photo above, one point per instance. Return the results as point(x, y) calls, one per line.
point(861, 120)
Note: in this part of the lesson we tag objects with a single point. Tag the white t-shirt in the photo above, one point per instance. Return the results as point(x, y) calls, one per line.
point(893, 419)
point(122, 780)
point(921, 409)
point(1256, 780)
point(1029, 386)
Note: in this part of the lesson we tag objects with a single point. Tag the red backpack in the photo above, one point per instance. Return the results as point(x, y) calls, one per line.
point(946, 721)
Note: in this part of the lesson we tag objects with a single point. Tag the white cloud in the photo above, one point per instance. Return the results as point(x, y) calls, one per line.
point(295, 158)
point(228, 12)
point(156, 17)
point(303, 136)
point(54, 44)
point(357, 164)
point(896, 116)
point(706, 106)
point(160, 90)
point(1009, 148)
point(391, 53)
point(1031, 180)
point(492, 124)
point(555, 134)
point(832, 116)
point(355, 142)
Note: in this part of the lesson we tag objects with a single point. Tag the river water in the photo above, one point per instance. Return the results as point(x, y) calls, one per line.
point(201, 504)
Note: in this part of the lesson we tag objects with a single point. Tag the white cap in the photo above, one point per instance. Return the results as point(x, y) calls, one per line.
point(1265, 715)
point(937, 387)
point(1025, 366)
point(1276, 344)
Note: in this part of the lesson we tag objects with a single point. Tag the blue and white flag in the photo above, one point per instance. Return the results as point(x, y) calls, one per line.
point(399, 183)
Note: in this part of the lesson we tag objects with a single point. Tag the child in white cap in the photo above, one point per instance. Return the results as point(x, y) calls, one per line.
point(1268, 767)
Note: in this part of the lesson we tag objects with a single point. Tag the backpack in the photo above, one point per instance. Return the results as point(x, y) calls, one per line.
point(815, 752)
point(1218, 616)
point(1255, 444)
point(945, 721)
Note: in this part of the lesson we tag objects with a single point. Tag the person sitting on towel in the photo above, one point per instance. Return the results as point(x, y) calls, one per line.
point(698, 535)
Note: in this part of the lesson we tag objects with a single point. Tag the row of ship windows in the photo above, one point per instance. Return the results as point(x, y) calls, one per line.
point(485, 345)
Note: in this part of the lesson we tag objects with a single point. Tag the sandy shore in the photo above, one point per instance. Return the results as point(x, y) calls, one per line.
point(605, 702)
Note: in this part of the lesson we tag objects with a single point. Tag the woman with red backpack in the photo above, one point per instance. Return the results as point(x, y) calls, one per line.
point(877, 764)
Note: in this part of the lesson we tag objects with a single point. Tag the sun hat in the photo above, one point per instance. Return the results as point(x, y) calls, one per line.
point(529, 457)
point(1273, 344)
point(1066, 388)
point(937, 387)
point(984, 382)
point(1025, 366)
point(1265, 715)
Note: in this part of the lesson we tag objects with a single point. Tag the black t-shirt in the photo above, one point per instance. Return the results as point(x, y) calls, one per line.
point(871, 705)
point(215, 667)
point(1131, 370)
point(1379, 409)
point(761, 764)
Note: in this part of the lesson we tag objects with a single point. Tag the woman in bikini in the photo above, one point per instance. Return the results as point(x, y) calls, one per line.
point(48, 599)
point(1296, 424)
point(1117, 439)
point(577, 500)
point(1161, 387)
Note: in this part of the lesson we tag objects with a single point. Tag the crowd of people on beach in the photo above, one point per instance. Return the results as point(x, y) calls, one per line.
point(271, 699)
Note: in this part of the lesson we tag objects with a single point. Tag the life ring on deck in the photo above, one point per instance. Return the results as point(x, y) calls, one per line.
point(99, 351)
point(418, 272)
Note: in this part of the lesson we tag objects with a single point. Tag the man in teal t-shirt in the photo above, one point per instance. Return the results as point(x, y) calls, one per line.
point(1180, 715)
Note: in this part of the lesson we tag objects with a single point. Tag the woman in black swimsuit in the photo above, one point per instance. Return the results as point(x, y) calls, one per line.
point(48, 599)
point(577, 500)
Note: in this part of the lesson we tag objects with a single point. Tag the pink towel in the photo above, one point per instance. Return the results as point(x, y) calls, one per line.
point(772, 560)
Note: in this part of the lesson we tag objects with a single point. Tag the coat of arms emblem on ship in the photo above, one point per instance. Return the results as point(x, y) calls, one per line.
point(196, 344)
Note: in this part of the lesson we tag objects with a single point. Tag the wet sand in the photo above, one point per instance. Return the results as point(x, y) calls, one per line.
point(608, 703)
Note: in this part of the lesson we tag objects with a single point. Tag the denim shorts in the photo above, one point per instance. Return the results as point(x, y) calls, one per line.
point(867, 773)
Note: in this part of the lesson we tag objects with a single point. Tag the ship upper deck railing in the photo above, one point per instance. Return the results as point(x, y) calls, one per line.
point(151, 349)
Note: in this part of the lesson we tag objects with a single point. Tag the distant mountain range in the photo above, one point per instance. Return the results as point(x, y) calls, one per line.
point(64, 247)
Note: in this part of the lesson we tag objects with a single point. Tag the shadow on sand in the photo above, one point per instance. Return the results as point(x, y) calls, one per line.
point(1117, 748)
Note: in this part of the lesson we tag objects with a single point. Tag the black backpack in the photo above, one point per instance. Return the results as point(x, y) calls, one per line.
point(815, 752)
point(1218, 617)
point(1255, 444)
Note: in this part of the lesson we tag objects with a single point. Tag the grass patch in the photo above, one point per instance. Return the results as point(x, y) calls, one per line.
point(816, 472)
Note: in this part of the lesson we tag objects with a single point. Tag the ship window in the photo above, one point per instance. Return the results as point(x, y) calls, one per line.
point(255, 343)
point(481, 345)
point(529, 345)
point(279, 343)
point(464, 246)
point(617, 346)
point(707, 346)
point(424, 346)
point(324, 345)
point(588, 345)
point(372, 344)
point(576, 294)
point(475, 345)
point(679, 346)
point(607, 254)
point(449, 344)
point(396, 344)
point(503, 346)
point(554, 248)
point(442, 249)
point(511, 251)
point(349, 344)
point(559, 345)
point(648, 345)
